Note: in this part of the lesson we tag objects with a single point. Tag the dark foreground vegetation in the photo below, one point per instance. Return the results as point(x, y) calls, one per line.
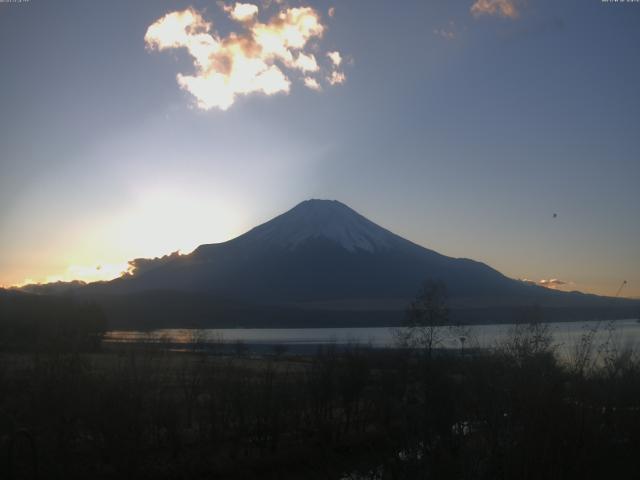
point(146, 412)
point(45, 323)
point(72, 407)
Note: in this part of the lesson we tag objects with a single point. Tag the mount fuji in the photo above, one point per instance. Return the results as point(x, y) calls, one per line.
point(320, 250)
point(320, 263)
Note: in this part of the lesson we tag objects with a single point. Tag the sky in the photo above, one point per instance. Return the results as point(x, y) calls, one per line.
point(500, 130)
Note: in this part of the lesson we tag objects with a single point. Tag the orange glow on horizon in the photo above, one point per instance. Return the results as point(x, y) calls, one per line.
point(158, 221)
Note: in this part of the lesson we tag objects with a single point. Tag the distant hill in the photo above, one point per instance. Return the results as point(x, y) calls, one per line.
point(31, 322)
point(52, 288)
point(322, 263)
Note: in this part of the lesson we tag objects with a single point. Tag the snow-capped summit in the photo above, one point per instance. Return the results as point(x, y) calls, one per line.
point(326, 220)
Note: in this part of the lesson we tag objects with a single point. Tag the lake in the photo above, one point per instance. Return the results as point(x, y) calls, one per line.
point(566, 335)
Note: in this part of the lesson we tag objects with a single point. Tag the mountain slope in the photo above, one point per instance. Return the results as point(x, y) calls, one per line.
point(318, 251)
point(323, 253)
point(320, 264)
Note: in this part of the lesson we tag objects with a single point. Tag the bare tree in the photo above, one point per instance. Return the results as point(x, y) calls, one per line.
point(425, 317)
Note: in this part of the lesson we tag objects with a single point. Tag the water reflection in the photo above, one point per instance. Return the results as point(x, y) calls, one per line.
point(566, 336)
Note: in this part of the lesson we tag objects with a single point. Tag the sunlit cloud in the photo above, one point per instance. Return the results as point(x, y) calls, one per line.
point(336, 78)
point(306, 63)
point(242, 12)
point(88, 273)
point(335, 58)
point(312, 83)
point(332, 11)
point(255, 60)
point(501, 8)
point(552, 283)
point(82, 274)
point(142, 265)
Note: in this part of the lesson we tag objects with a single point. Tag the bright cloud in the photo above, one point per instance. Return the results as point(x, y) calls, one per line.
point(553, 283)
point(306, 63)
point(335, 58)
point(336, 78)
point(502, 8)
point(255, 60)
point(312, 83)
point(242, 12)
point(89, 273)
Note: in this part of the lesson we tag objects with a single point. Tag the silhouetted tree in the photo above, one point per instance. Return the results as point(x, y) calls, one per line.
point(426, 314)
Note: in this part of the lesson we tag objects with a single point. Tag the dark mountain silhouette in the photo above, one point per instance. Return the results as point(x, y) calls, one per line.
point(321, 263)
point(318, 251)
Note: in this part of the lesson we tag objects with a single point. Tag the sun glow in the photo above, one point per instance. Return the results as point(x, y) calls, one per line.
point(158, 221)
point(163, 220)
point(93, 273)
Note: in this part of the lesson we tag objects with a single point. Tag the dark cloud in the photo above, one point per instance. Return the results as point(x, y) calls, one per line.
point(139, 266)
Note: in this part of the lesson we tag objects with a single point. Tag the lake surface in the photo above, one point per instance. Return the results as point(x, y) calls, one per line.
point(566, 335)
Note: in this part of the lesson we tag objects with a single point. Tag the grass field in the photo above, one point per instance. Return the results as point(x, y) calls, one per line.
point(142, 411)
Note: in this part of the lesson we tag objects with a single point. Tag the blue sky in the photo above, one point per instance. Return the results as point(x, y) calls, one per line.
point(462, 131)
